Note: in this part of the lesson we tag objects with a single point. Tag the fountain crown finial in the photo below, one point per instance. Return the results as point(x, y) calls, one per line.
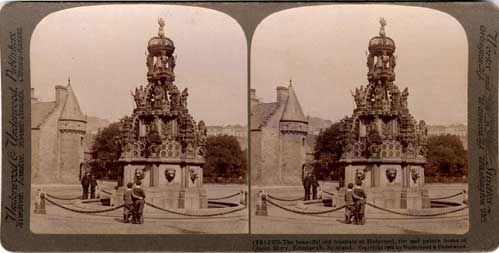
point(161, 23)
point(383, 23)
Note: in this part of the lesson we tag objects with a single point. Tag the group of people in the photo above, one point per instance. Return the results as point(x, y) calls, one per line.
point(134, 200)
point(310, 183)
point(88, 181)
point(355, 204)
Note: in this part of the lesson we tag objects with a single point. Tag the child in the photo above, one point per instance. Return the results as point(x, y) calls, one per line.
point(128, 203)
point(349, 204)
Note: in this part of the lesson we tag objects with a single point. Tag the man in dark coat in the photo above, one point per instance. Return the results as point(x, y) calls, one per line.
point(85, 183)
point(307, 184)
point(128, 203)
point(315, 184)
point(93, 184)
point(138, 196)
point(359, 197)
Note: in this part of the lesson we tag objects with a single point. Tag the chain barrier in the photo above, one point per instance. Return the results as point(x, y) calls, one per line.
point(332, 194)
point(226, 197)
point(61, 198)
point(104, 191)
point(276, 198)
point(417, 215)
point(448, 197)
point(195, 215)
point(302, 212)
point(82, 211)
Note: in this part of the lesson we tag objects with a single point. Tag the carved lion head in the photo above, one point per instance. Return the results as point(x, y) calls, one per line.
point(170, 174)
point(391, 174)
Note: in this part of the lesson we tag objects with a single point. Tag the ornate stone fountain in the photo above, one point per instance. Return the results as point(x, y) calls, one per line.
point(162, 146)
point(384, 147)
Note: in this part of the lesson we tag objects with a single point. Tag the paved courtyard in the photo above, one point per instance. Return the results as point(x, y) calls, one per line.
point(60, 221)
point(281, 221)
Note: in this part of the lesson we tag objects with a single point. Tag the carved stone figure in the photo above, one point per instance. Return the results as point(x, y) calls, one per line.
point(161, 31)
point(170, 174)
point(415, 176)
point(174, 99)
point(385, 60)
point(138, 175)
point(370, 62)
point(393, 62)
point(172, 62)
point(183, 98)
point(395, 98)
point(360, 175)
point(193, 175)
point(391, 174)
point(403, 99)
point(382, 32)
point(149, 64)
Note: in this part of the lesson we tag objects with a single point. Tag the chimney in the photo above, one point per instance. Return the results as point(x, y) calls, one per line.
point(253, 99)
point(60, 94)
point(282, 94)
point(33, 98)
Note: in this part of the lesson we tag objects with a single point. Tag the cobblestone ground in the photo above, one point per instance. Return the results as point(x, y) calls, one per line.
point(280, 221)
point(60, 221)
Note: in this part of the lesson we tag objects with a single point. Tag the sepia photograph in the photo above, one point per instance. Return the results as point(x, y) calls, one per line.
point(129, 133)
point(358, 121)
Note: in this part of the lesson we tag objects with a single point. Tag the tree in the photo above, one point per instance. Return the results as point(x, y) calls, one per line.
point(106, 151)
point(328, 149)
point(446, 157)
point(224, 158)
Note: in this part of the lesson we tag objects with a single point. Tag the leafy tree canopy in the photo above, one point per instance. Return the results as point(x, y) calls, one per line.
point(224, 158)
point(446, 156)
point(105, 150)
point(328, 149)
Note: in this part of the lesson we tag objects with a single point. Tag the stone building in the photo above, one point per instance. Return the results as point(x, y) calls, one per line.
point(57, 138)
point(278, 139)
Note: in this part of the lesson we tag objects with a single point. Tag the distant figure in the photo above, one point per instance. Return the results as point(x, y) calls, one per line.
point(307, 183)
point(128, 204)
point(315, 184)
point(359, 198)
point(85, 183)
point(93, 184)
point(138, 196)
point(349, 204)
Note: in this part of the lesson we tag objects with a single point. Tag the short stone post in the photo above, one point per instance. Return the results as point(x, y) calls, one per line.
point(40, 202)
point(243, 197)
point(261, 205)
point(465, 197)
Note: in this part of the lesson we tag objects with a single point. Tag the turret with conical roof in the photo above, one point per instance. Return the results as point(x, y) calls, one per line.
point(293, 120)
point(71, 110)
point(72, 127)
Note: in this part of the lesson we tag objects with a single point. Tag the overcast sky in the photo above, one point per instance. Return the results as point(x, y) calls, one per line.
point(323, 49)
point(102, 49)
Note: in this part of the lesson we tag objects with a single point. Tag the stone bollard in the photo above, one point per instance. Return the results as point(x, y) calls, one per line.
point(40, 202)
point(465, 197)
point(243, 196)
point(261, 205)
point(97, 192)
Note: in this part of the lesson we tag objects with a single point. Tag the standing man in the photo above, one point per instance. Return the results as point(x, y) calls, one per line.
point(315, 184)
point(138, 196)
point(85, 182)
point(359, 196)
point(307, 183)
point(93, 184)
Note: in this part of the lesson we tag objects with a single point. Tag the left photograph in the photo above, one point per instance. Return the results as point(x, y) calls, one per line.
point(128, 131)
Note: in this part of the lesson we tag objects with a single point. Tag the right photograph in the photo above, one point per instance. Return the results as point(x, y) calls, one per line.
point(358, 122)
